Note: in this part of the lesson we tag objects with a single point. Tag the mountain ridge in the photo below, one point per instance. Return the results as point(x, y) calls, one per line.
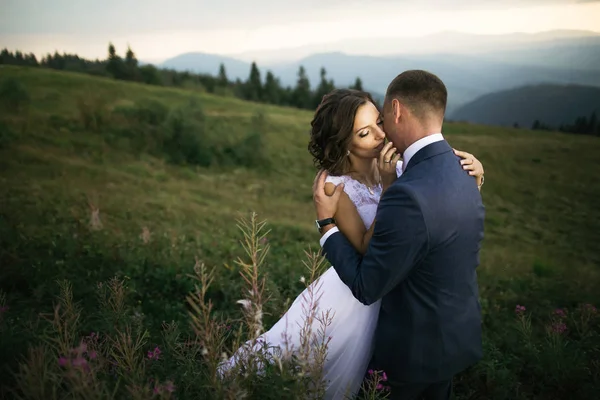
point(551, 104)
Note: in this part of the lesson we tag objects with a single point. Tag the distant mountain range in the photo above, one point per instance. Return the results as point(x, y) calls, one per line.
point(472, 65)
point(438, 43)
point(553, 105)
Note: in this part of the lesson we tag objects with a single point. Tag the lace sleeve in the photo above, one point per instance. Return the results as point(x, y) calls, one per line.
point(336, 180)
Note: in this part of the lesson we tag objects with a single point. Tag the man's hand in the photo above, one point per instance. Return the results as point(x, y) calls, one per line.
point(325, 206)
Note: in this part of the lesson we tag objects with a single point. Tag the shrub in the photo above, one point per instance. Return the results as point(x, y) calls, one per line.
point(181, 135)
point(147, 111)
point(93, 113)
point(183, 139)
point(13, 95)
point(7, 135)
point(250, 151)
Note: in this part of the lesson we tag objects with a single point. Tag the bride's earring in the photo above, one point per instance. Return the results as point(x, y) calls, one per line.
point(348, 153)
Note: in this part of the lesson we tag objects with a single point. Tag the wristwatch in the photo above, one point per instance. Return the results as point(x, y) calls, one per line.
point(321, 223)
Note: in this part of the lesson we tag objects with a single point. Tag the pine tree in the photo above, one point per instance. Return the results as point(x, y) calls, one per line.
point(112, 52)
point(131, 65)
point(115, 65)
point(324, 87)
point(272, 90)
point(222, 80)
point(592, 123)
point(581, 125)
point(301, 96)
point(254, 85)
point(357, 84)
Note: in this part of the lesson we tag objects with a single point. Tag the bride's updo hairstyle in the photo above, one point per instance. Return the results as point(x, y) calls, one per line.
point(332, 129)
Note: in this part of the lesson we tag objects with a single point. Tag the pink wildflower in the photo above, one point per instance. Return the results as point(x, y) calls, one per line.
point(559, 327)
point(559, 312)
point(370, 372)
point(590, 308)
point(79, 362)
point(169, 387)
point(384, 377)
point(520, 309)
point(82, 348)
point(92, 354)
point(63, 361)
point(154, 354)
point(379, 386)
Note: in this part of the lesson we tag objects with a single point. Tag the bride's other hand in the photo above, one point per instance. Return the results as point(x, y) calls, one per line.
point(325, 205)
point(388, 158)
point(471, 164)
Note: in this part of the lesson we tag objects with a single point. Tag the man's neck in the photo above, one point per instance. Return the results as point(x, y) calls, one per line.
point(419, 129)
point(418, 136)
point(418, 145)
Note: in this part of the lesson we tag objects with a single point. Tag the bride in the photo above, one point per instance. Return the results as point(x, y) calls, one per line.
point(347, 141)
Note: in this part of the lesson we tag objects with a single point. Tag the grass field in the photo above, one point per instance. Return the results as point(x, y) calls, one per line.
point(83, 197)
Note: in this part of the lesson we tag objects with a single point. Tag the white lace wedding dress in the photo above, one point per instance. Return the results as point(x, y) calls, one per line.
point(353, 324)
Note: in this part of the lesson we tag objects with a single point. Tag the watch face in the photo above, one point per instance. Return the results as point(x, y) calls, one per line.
point(317, 224)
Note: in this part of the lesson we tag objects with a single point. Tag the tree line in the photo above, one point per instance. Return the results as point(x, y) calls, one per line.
point(582, 125)
point(254, 88)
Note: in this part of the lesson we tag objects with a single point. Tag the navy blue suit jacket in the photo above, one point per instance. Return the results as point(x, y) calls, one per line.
point(421, 262)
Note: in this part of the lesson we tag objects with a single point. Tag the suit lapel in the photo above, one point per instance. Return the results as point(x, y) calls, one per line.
point(427, 152)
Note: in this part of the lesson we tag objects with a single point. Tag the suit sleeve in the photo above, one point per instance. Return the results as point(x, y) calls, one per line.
point(399, 242)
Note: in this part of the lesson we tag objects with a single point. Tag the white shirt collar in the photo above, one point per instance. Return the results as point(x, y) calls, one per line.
point(418, 145)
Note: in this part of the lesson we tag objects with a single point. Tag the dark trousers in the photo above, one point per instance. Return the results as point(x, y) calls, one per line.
point(417, 391)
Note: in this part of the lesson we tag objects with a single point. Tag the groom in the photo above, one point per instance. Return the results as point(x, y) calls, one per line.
point(422, 257)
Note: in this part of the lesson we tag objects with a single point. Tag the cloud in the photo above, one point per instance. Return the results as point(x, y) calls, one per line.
point(125, 17)
point(131, 16)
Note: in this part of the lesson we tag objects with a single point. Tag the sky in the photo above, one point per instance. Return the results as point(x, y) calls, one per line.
point(158, 29)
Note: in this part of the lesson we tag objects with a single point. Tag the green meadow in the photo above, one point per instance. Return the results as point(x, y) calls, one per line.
point(125, 186)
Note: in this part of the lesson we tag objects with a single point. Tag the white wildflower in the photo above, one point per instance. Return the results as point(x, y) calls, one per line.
point(145, 236)
point(245, 303)
point(95, 222)
point(258, 316)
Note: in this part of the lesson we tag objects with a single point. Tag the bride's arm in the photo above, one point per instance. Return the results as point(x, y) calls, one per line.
point(349, 221)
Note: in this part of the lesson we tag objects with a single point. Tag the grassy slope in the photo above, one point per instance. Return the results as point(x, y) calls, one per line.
point(542, 220)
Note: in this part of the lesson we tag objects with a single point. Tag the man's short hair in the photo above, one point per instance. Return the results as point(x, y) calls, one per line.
point(422, 92)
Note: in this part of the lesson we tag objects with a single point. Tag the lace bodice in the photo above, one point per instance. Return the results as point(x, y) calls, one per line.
point(364, 200)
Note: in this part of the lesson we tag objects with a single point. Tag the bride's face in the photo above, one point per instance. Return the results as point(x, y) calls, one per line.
point(367, 135)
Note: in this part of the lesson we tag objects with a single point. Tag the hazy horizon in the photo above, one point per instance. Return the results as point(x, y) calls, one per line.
point(155, 30)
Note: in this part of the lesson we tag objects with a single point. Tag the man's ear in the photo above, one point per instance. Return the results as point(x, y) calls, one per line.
point(397, 110)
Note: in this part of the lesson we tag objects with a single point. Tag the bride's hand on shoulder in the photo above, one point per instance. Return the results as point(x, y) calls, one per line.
point(326, 196)
point(388, 158)
point(471, 164)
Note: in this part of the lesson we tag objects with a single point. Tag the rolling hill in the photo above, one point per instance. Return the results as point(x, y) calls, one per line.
point(89, 192)
point(554, 105)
